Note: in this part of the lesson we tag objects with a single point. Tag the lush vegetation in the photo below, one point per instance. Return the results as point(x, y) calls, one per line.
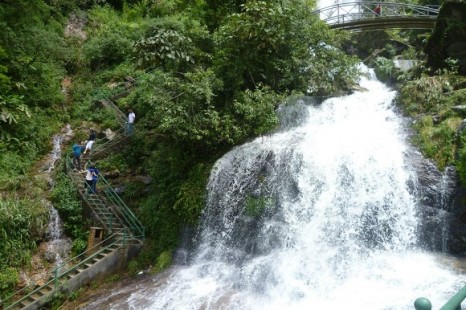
point(65, 199)
point(209, 75)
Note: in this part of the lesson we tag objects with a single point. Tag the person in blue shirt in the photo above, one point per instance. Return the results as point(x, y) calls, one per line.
point(77, 150)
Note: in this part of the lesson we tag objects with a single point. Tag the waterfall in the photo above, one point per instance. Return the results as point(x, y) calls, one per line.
point(323, 214)
point(58, 245)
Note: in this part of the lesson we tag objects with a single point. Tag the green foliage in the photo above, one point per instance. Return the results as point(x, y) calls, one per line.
point(171, 170)
point(34, 51)
point(8, 279)
point(106, 50)
point(437, 142)
point(163, 262)
point(281, 44)
point(65, 200)
point(424, 95)
point(163, 46)
point(256, 206)
point(13, 168)
point(384, 68)
point(114, 162)
point(173, 43)
point(79, 244)
point(461, 161)
point(133, 267)
point(22, 222)
point(55, 300)
point(256, 111)
point(113, 278)
point(190, 199)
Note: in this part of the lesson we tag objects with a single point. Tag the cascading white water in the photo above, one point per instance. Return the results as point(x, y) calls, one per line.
point(316, 216)
point(338, 222)
point(59, 245)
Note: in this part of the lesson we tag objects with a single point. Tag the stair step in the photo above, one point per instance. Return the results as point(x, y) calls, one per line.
point(100, 256)
point(24, 304)
point(45, 290)
point(36, 296)
point(31, 299)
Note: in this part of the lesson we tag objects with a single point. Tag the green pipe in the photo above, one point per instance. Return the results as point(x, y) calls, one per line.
point(455, 302)
point(422, 303)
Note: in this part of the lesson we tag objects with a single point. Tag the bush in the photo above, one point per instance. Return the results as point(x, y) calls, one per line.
point(385, 69)
point(163, 262)
point(437, 142)
point(8, 279)
point(106, 50)
point(65, 200)
point(22, 222)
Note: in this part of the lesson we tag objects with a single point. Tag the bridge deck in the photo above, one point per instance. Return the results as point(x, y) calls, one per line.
point(360, 16)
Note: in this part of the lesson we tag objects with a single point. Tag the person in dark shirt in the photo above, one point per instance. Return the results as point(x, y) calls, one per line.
point(90, 141)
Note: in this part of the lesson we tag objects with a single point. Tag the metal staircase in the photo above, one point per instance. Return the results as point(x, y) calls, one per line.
point(108, 211)
point(36, 297)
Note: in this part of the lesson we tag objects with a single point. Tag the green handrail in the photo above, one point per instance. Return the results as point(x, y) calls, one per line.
point(119, 135)
point(130, 219)
point(454, 303)
point(135, 229)
point(56, 275)
point(85, 196)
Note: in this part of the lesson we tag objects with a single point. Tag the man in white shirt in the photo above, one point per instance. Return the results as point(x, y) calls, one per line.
point(130, 122)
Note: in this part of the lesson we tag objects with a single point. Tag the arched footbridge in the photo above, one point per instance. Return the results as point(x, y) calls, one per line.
point(362, 16)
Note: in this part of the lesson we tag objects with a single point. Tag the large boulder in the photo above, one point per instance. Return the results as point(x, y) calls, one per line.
point(448, 39)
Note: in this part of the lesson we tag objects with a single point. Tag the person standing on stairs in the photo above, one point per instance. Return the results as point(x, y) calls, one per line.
point(92, 175)
point(77, 150)
point(130, 122)
point(95, 178)
point(88, 180)
point(377, 10)
point(90, 141)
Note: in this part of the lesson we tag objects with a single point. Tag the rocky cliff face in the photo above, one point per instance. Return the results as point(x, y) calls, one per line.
point(448, 39)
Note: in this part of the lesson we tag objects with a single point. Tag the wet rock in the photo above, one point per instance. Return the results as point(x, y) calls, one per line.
point(49, 256)
point(358, 88)
point(120, 189)
point(442, 211)
point(112, 174)
point(143, 179)
point(460, 109)
point(109, 134)
point(461, 127)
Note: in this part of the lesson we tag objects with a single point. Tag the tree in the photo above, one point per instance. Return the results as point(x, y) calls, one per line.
point(280, 44)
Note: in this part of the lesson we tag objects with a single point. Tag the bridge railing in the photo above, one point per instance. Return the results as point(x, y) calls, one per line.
point(340, 13)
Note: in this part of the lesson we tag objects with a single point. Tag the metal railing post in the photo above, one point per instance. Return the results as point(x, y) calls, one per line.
point(111, 221)
point(55, 280)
